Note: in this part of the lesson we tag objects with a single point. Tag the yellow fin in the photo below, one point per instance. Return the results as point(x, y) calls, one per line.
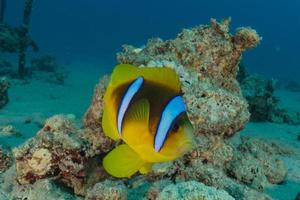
point(136, 123)
point(108, 127)
point(146, 168)
point(164, 76)
point(139, 112)
point(122, 162)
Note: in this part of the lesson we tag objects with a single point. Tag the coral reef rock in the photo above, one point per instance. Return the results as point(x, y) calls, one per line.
point(9, 130)
point(6, 159)
point(243, 171)
point(108, 190)
point(210, 50)
point(4, 85)
point(206, 58)
point(263, 104)
point(59, 150)
point(42, 189)
point(207, 61)
point(192, 190)
point(93, 117)
point(255, 164)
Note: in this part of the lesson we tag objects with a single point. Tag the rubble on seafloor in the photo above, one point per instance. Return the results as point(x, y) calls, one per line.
point(263, 104)
point(9, 130)
point(206, 59)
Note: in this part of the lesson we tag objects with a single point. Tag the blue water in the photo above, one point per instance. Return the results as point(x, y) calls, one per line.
point(93, 31)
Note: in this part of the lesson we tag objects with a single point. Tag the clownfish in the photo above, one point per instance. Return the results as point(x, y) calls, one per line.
point(145, 109)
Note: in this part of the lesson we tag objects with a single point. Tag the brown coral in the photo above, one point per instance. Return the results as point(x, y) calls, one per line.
point(211, 50)
point(59, 150)
point(93, 118)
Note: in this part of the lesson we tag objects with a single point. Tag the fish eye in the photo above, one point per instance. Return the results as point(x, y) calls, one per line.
point(175, 127)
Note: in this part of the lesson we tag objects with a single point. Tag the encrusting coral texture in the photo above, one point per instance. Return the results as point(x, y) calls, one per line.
point(192, 190)
point(206, 59)
point(59, 150)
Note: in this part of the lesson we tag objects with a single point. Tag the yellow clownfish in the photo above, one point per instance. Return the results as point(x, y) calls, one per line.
point(144, 108)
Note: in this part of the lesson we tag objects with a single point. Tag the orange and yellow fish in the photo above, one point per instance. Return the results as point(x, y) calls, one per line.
point(145, 109)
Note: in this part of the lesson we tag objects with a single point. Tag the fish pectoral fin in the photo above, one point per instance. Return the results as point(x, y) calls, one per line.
point(146, 168)
point(136, 123)
point(122, 162)
point(139, 112)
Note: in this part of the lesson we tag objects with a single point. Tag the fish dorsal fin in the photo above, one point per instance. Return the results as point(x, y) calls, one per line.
point(139, 112)
point(122, 162)
point(166, 77)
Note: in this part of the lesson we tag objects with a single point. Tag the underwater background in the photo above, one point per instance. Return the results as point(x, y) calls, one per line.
point(78, 43)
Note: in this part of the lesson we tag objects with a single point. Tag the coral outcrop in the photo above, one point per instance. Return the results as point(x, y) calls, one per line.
point(255, 164)
point(9, 130)
point(59, 150)
point(211, 164)
point(263, 104)
point(93, 117)
point(108, 190)
point(210, 50)
point(192, 190)
point(206, 58)
point(4, 85)
point(46, 189)
point(6, 159)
